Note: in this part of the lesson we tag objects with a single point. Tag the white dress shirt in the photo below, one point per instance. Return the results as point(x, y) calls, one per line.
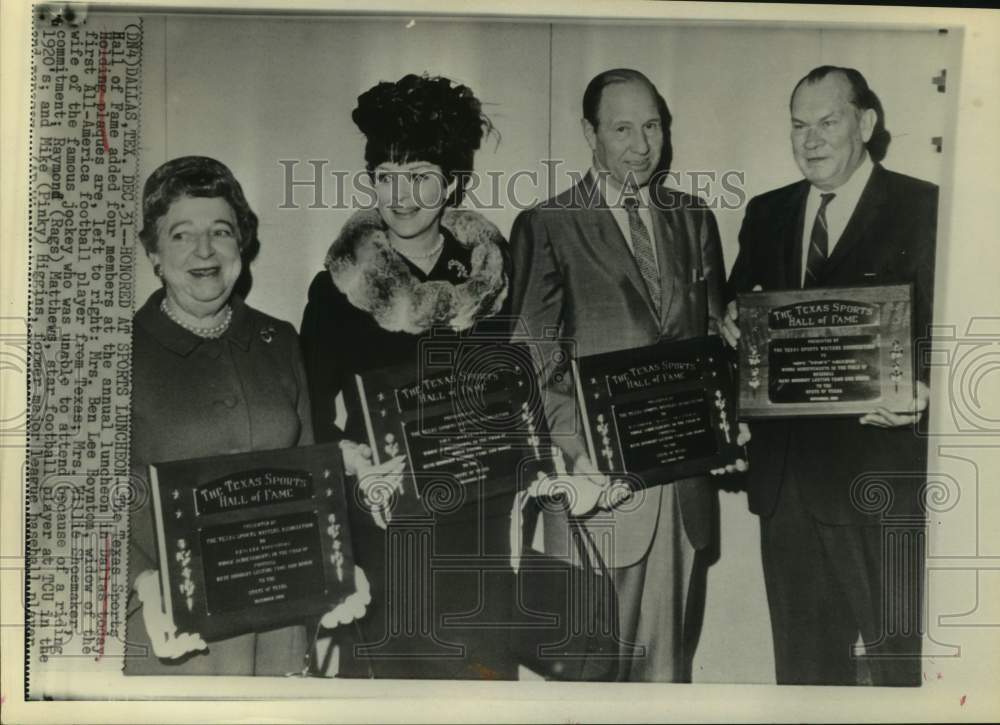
point(838, 210)
point(614, 197)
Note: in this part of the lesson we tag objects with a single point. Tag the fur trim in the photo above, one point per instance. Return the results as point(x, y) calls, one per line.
point(373, 277)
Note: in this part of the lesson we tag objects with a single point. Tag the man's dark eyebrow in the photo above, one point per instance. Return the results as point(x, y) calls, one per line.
point(799, 120)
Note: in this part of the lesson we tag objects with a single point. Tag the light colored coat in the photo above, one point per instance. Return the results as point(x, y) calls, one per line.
point(574, 273)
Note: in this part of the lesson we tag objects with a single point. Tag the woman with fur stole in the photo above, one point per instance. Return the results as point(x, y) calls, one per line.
point(392, 276)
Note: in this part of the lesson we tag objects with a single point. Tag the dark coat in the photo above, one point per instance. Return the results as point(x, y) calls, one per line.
point(399, 306)
point(574, 272)
point(192, 397)
point(841, 465)
point(340, 341)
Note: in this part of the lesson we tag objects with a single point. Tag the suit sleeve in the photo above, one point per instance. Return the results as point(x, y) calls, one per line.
point(537, 308)
point(714, 271)
point(926, 231)
point(741, 276)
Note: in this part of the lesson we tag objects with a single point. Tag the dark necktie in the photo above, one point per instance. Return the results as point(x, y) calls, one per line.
point(819, 243)
point(642, 249)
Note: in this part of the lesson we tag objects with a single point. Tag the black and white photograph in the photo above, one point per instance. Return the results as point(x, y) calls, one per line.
point(582, 362)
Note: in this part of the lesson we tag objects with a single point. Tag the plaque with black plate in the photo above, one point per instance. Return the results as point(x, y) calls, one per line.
point(825, 351)
point(659, 413)
point(468, 418)
point(251, 541)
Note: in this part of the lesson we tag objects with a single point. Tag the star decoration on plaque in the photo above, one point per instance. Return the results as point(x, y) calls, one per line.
point(175, 494)
point(381, 397)
point(326, 473)
point(329, 492)
point(178, 514)
point(382, 412)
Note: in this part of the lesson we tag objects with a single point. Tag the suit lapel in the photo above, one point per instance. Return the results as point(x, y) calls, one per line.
point(861, 221)
point(598, 226)
point(790, 234)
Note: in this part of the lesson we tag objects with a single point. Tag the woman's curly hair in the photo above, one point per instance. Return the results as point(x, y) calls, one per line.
point(423, 118)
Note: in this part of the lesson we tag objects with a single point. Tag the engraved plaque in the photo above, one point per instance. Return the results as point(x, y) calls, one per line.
point(251, 541)
point(468, 418)
point(826, 351)
point(660, 413)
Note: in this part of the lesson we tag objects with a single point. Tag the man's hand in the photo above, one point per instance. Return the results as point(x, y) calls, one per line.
point(354, 606)
point(739, 465)
point(167, 644)
point(885, 418)
point(586, 488)
point(730, 329)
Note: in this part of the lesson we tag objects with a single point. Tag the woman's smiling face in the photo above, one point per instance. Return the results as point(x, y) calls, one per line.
point(410, 196)
point(198, 251)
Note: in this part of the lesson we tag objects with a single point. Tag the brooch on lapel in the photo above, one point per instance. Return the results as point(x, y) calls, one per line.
point(461, 271)
point(267, 334)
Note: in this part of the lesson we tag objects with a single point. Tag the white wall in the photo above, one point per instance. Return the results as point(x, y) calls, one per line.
point(252, 91)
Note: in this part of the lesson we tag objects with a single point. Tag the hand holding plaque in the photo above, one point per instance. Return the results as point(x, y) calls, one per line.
point(585, 489)
point(657, 414)
point(248, 542)
point(160, 627)
point(827, 351)
point(465, 425)
point(377, 483)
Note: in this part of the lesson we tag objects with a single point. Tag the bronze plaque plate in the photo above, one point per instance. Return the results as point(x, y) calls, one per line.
point(825, 351)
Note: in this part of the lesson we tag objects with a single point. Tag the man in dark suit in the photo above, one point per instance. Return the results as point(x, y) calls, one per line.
point(619, 261)
point(839, 498)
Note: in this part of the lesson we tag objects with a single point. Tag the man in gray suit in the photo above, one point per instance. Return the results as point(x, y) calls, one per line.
point(620, 261)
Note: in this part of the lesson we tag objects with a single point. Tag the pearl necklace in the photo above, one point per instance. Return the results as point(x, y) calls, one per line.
point(426, 255)
point(209, 333)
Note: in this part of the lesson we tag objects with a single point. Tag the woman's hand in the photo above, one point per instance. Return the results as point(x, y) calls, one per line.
point(377, 483)
point(167, 644)
point(356, 456)
point(354, 606)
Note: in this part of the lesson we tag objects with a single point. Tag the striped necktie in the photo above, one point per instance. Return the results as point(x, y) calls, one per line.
point(642, 249)
point(819, 243)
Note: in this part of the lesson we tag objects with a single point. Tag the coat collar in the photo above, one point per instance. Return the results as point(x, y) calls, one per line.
point(180, 341)
point(375, 279)
point(872, 199)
